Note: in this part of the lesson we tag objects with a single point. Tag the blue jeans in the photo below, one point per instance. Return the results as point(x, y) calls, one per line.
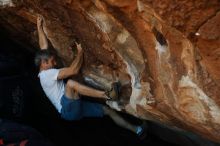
point(76, 109)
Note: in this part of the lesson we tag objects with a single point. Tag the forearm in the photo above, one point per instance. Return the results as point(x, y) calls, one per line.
point(76, 64)
point(79, 64)
point(74, 68)
point(42, 38)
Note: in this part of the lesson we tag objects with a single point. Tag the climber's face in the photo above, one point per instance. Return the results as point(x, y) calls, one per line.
point(49, 63)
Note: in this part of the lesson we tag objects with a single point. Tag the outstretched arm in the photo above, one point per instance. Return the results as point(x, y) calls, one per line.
point(41, 35)
point(75, 66)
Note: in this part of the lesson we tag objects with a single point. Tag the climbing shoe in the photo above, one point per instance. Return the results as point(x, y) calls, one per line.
point(141, 131)
point(113, 93)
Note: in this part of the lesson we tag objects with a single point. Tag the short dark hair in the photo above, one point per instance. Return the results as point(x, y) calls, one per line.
point(42, 55)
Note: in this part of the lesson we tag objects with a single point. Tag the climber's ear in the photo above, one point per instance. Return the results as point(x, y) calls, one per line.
point(44, 61)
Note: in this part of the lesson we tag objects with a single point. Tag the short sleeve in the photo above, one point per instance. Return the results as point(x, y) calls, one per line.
point(53, 73)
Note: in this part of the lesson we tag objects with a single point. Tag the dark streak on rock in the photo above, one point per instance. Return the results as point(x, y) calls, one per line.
point(159, 36)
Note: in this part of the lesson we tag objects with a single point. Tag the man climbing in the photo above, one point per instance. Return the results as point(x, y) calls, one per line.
point(66, 97)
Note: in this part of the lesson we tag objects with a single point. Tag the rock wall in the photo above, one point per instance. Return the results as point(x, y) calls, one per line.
point(166, 53)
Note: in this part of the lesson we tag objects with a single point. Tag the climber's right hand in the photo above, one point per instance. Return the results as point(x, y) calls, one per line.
point(40, 20)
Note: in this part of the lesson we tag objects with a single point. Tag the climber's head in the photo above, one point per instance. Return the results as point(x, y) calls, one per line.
point(45, 59)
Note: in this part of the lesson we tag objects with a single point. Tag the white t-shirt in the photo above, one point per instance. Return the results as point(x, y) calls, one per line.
point(53, 88)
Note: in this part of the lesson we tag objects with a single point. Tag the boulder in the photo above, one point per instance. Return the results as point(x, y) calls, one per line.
point(165, 53)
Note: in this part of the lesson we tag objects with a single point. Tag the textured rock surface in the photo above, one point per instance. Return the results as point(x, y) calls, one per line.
point(166, 53)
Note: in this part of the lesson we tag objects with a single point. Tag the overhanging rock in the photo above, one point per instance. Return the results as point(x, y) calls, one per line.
point(166, 54)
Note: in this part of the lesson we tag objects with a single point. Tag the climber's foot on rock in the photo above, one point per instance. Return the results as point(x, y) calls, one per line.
point(113, 93)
